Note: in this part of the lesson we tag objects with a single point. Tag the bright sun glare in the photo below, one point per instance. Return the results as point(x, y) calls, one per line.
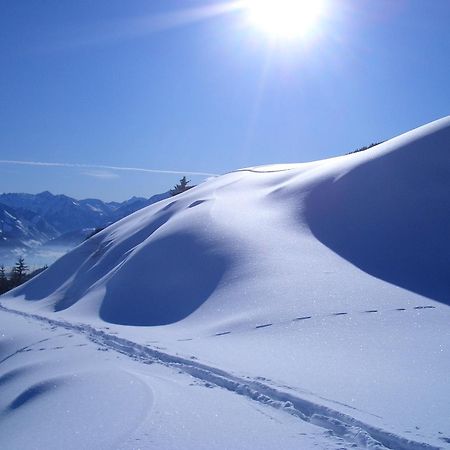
point(285, 18)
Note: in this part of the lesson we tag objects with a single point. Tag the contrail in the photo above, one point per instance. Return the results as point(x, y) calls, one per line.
point(100, 166)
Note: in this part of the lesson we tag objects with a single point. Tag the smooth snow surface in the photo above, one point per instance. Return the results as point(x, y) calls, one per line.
point(318, 292)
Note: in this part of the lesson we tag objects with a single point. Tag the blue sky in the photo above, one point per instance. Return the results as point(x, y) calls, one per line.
point(112, 83)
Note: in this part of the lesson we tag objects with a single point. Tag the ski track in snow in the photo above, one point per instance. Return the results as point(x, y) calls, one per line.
point(23, 349)
point(339, 424)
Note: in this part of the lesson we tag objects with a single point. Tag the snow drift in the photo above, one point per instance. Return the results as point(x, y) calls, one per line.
point(389, 215)
point(238, 237)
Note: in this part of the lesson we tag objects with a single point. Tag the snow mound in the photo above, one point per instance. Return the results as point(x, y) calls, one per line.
point(390, 214)
point(271, 242)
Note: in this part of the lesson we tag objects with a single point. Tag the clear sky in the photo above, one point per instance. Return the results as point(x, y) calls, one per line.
point(174, 85)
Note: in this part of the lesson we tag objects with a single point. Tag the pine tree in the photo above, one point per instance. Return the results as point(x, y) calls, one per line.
point(19, 272)
point(4, 284)
point(181, 186)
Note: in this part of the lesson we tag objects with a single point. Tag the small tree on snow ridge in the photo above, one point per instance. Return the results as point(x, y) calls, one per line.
point(181, 186)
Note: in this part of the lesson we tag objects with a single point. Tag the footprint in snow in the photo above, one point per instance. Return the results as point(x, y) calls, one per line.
point(264, 326)
point(198, 202)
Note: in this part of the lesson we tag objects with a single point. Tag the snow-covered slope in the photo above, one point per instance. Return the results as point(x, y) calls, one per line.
point(325, 284)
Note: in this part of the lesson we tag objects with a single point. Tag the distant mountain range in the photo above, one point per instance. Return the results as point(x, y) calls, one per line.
point(30, 221)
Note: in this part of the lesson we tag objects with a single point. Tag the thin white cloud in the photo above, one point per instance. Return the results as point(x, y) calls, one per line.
point(104, 167)
point(101, 174)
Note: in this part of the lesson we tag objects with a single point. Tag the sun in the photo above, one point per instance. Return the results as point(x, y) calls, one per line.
point(285, 18)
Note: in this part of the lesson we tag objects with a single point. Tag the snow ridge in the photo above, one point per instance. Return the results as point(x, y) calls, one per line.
point(339, 424)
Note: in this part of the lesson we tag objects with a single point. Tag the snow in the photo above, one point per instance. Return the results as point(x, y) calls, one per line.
point(61, 390)
point(317, 292)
